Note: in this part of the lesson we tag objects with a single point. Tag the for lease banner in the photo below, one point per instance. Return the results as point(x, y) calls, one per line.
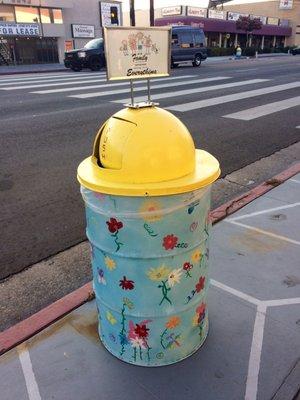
point(11, 29)
point(136, 53)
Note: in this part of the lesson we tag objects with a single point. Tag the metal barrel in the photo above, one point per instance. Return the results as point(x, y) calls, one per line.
point(150, 273)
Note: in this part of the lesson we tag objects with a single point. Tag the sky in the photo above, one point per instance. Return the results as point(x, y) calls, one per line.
point(144, 4)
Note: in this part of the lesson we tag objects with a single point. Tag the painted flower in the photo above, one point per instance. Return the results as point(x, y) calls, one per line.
point(114, 225)
point(173, 322)
point(128, 303)
point(200, 310)
point(112, 337)
point(151, 210)
point(196, 256)
point(138, 343)
point(110, 263)
point(195, 320)
point(174, 277)
point(141, 330)
point(200, 284)
point(110, 318)
point(187, 266)
point(169, 242)
point(101, 278)
point(159, 273)
point(100, 196)
point(126, 284)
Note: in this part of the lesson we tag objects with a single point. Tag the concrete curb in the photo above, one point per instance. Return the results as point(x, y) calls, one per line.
point(42, 319)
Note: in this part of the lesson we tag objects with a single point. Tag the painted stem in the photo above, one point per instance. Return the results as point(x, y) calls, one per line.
point(162, 338)
point(141, 358)
point(148, 352)
point(165, 292)
point(134, 354)
point(119, 244)
point(123, 330)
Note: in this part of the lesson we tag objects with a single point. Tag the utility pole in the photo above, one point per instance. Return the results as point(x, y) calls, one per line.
point(132, 13)
point(151, 12)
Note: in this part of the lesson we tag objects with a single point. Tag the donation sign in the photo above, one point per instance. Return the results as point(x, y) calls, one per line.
point(136, 53)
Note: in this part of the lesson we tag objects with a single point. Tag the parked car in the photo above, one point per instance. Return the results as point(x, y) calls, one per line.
point(90, 56)
point(188, 44)
point(295, 51)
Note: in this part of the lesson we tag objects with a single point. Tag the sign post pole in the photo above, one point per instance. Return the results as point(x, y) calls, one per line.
point(148, 91)
point(131, 92)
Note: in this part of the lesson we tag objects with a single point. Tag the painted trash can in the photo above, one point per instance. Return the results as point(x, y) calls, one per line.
point(147, 196)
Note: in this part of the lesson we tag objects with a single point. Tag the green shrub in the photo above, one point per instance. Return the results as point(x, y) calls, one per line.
point(220, 51)
point(249, 51)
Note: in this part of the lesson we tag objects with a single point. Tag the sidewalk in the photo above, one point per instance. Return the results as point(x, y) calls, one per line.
point(40, 68)
point(28, 69)
point(232, 58)
point(252, 350)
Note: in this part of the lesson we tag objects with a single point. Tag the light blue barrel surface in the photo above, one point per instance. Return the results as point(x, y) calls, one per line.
point(150, 273)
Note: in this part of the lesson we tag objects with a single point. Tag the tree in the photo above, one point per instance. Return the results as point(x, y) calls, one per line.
point(151, 12)
point(132, 12)
point(248, 25)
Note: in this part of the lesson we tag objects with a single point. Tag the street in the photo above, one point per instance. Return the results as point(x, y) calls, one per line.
point(238, 111)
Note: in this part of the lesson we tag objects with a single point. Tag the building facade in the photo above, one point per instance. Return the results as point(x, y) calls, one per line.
point(219, 26)
point(279, 26)
point(39, 31)
point(278, 12)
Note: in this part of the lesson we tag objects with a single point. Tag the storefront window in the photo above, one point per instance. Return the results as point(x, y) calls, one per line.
point(45, 15)
point(57, 16)
point(27, 14)
point(212, 39)
point(7, 14)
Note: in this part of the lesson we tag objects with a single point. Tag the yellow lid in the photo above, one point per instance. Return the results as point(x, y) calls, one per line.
point(146, 152)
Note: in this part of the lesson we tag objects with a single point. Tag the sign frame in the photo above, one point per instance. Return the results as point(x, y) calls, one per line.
point(191, 9)
point(113, 2)
point(166, 14)
point(286, 4)
point(82, 37)
point(217, 14)
point(109, 77)
point(14, 27)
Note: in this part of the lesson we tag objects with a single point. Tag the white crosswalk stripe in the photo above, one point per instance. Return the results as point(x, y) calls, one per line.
point(195, 90)
point(82, 86)
point(64, 75)
point(78, 88)
point(51, 84)
point(52, 79)
point(265, 109)
point(196, 105)
point(143, 88)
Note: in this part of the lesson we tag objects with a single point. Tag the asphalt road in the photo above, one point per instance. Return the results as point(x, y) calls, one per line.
point(44, 136)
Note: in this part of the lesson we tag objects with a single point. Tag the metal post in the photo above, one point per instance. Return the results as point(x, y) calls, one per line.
point(131, 92)
point(148, 90)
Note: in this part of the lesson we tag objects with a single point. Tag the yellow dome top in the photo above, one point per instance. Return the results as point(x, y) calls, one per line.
point(146, 151)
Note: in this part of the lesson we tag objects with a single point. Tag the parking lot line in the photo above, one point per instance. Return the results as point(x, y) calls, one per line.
point(254, 214)
point(31, 384)
point(268, 233)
